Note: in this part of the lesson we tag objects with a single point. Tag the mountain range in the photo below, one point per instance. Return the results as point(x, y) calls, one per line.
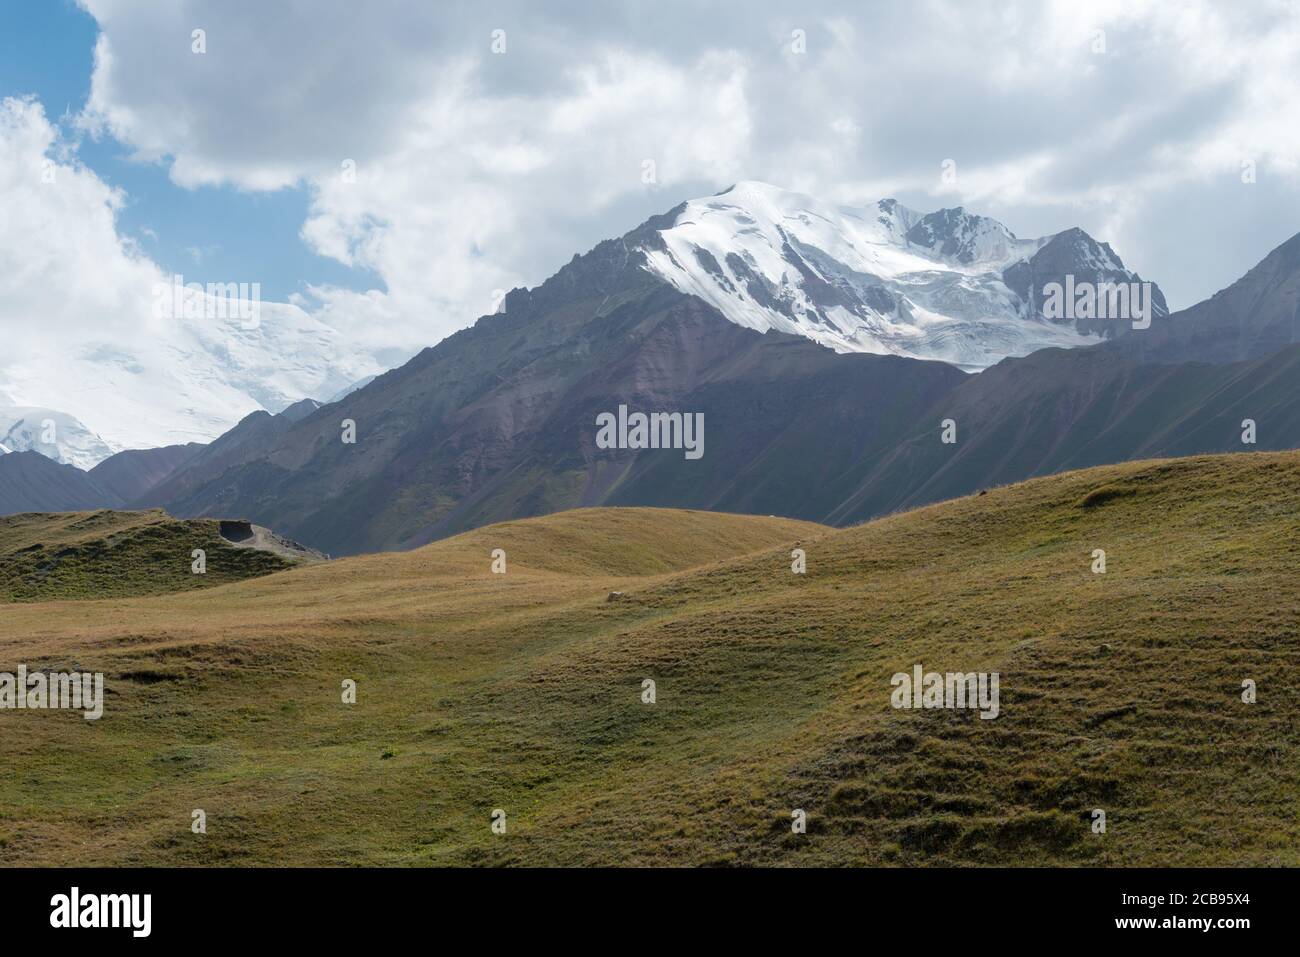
point(830, 350)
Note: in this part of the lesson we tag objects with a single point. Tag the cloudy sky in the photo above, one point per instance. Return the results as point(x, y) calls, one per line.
point(492, 141)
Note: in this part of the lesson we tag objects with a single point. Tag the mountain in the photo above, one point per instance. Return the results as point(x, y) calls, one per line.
point(500, 420)
point(54, 434)
point(1067, 409)
point(1256, 316)
point(131, 474)
point(948, 285)
point(1185, 386)
point(350, 388)
point(250, 437)
point(524, 691)
point(1073, 257)
point(300, 409)
point(190, 379)
point(32, 482)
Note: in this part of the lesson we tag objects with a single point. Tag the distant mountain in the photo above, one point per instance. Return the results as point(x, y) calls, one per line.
point(190, 380)
point(54, 434)
point(131, 474)
point(498, 421)
point(300, 409)
point(1067, 409)
point(32, 482)
point(253, 434)
point(350, 388)
point(1073, 258)
point(948, 285)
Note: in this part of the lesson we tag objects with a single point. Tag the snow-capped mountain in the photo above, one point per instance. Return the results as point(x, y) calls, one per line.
point(947, 285)
point(54, 434)
point(181, 380)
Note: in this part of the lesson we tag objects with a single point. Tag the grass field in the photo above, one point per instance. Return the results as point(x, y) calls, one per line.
point(523, 692)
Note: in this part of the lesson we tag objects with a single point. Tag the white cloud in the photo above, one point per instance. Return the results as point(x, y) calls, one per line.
point(474, 166)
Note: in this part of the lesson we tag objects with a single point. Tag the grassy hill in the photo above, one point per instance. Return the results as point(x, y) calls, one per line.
point(476, 691)
point(52, 555)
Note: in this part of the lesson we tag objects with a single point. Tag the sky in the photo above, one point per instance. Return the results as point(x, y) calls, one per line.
point(389, 168)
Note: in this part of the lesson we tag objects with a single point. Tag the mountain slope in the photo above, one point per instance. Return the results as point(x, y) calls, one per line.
point(1256, 316)
point(1068, 409)
point(499, 421)
point(31, 482)
point(523, 691)
point(252, 434)
point(130, 474)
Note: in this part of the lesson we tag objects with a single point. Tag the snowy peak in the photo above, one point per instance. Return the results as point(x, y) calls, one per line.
point(896, 219)
point(191, 381)
point(1078, 247)
point(1072, 259)
point(881, 278)
point(56, 435)
point(959, 236)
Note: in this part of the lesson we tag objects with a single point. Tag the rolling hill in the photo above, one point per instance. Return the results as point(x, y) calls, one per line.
point(46, 556)
point(522, 691)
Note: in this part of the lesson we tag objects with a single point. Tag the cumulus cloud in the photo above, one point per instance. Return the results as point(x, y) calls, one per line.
point(62, 264)
point(477, 170)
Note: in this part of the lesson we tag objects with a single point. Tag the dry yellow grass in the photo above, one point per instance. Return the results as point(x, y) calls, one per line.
point(523, 691)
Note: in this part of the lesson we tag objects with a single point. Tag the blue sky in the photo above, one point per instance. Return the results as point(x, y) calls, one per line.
point(208, 233)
